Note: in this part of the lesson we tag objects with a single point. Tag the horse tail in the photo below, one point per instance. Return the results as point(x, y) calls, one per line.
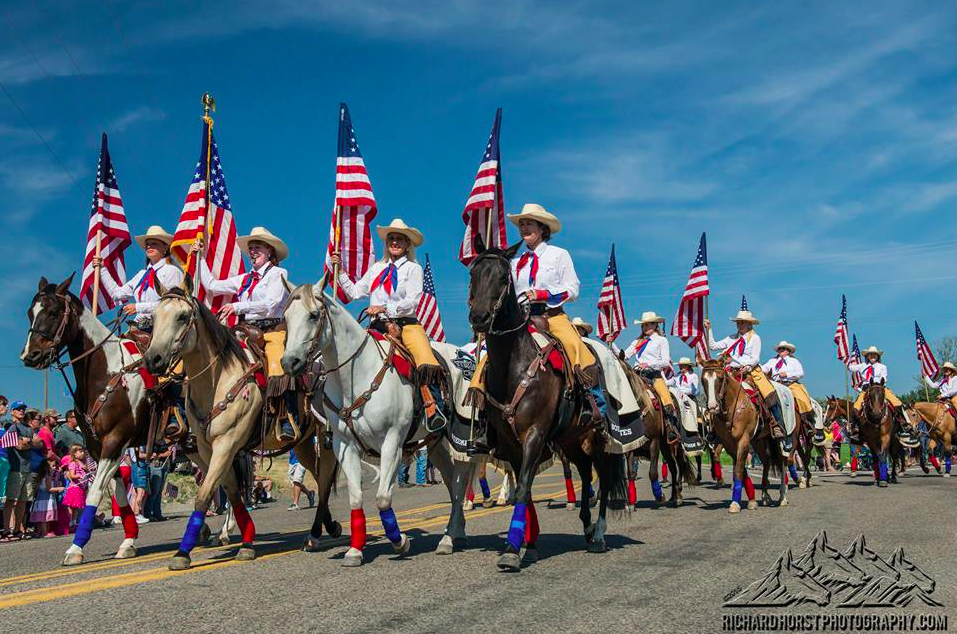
point(613, 478)
point(687, 471)
point(244, 474)
point(776, 457)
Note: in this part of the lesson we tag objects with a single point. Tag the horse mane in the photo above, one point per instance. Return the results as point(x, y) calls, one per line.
point(222, 336)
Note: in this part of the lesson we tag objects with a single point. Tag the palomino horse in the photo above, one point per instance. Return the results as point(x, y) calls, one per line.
point(940, 429)
point(679, 466)
point(529, 406)
point(734, 419)
point(224, 408)
point(373, 412)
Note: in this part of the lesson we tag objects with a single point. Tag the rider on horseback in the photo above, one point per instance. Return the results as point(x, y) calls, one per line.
point(394, 287)
point(947, 384)
point(652, 357)
point(787, 370)
point(260, 297)
point(873, 372)
point(544, 277)
point(743, 353)
point(686, 384)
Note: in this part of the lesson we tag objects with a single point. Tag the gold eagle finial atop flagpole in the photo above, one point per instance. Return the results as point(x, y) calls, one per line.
point(209, 105)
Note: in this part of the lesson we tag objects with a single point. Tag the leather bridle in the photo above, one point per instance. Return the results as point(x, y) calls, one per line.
point(497, 306)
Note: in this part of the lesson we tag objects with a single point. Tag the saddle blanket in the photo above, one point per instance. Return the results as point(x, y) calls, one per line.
point(614, 379)
point(784, 396)
point(260, 375)
point(148, 379)
point(555, 356)
point(400, 363)
point(688, 411)
point(459, 429)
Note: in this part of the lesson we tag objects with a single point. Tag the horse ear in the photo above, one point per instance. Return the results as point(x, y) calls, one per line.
point(321, 284)
point(478, 244)
point(512, 250)
point(160, 289)
point(290, 287)
point(188, 284)
point(64, 286)
point(43, 283)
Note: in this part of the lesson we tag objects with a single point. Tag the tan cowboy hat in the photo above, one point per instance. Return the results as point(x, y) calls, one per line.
point(745, 315)
point(155, 232)
point(398, 226)
point(649, 317)
point(872, 350)
point(262, 234)
point(578, 322)
point(685, 361)
point(786, 344)
point(531, 211)
point(947, 365)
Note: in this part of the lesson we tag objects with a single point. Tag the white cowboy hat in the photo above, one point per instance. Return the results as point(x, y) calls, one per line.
point(745, 315)
point(262, 234)
point(398, 226)
point(685, 361)
point(947, 365)
point(531, 211)
point(786, 344)
point(155, 232)
point(578, 322)
point(649, 317)
point(872, 350)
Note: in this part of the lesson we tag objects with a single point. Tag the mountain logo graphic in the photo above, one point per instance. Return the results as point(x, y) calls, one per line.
point(856, 578)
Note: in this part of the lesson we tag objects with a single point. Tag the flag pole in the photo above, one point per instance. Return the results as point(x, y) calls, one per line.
point(209, 105)
point(96, 269)
point(336, 240)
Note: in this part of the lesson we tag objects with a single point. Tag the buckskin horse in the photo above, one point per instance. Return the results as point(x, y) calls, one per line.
point(530, 406)
point(940, 430)
point(370, 407)
point(734, 418)
point(224, 407)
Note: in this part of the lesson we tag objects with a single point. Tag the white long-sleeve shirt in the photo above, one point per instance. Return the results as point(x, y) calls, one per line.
point(745, 350)
point(141, 291)
point(790, 367)
point(256, 299)
point(549, 271)
point(685, 382)
point(399, 301)
point(654, 351)
point(870, 372)
point(946, 385)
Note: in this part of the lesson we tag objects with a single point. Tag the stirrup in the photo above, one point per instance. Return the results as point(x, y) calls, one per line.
point(436, 422)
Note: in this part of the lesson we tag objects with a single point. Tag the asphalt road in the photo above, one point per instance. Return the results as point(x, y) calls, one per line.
point(668, 570)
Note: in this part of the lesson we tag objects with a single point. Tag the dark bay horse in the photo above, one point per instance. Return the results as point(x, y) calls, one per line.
point(876, 424)
point(544, 414)
point(734, 419)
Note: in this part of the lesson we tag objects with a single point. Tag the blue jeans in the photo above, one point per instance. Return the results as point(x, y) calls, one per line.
point(421, 458)
point(153, 507)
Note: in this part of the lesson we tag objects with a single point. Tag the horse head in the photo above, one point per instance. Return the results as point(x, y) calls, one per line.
point(308, 326)
point(174, 327)
point(54, 322)
point(836, 410)
point(874, 401)
point(491, 292)
point(713, 377)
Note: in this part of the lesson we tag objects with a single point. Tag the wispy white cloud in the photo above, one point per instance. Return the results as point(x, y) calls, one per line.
point(142, 114)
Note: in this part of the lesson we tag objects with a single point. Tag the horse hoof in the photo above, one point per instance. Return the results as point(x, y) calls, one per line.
point(946, 475)
point(509, 562)
point(765, 500)
point(530, 555)
point(752, 504)
point(205, 533)
point(783, 502)
point(353, 558)
point(126, 553)
point(674, 503)
point(881, 483)
point(659, 502)
point(569, 505)
point(222, 540)
point(403, 547)
point(335, 530)
point(179, 562)
point(597, 546)
point(468, 505)
point(246, 553)
point(73, 559)
point(801, 484)
point(310, 545)
point(445, 546)
point(853, 474)
point(735, 507)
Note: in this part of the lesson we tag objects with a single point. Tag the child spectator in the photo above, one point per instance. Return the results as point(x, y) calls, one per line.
point(75, 496)
point(49, 485)
point(296, 474)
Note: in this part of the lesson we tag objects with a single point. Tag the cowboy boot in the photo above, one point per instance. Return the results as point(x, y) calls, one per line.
point(435, 420)
point(853, 432)
point(777, 423)
point(905, 431)
point(287, 433)
point(818, 433)
point(674, 426)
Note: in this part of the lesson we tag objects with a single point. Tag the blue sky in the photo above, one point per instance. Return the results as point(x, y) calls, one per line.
point(815, 143)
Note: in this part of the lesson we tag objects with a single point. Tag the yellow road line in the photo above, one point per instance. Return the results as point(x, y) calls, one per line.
point(42, 595)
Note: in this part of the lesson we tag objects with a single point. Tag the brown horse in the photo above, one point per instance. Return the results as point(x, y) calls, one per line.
point(714, 453)
point(734, 419)
point(530, 407)
point(876, 423)
point(940, 429)
point(655, 428)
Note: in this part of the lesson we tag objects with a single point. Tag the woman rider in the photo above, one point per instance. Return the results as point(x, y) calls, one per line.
point(259, 297)
point(544, 276)
point(787, 370)
point(394, 287)
point(652, 359)
point(873, 372)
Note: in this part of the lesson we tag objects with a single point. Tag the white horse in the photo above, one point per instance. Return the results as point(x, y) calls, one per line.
point(379, 402)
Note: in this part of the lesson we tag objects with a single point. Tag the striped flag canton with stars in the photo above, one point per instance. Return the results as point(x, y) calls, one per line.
point(427, 312)
point(611, 310)
point(841, 333)
point(928, 363)
point(218, 194)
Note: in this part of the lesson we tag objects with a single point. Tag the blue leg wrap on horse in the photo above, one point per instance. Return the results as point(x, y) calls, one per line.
point(883, 470)
point(516, 530)
point(486, 491)
point(947, 465)
point(193, 526)
point(599, 397)
point(793, 472)
point(391, 525)
point(85, 528)
point(736, 491)
point(656, 489)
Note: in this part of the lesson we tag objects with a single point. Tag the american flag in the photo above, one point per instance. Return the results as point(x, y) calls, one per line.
point(427, 311)
point(107, 219)
point(840, 334)
point(611, 311)
point(355, 207)
point(928, 364)
point(10, 439)
point(222, 253)
point(744, 303)
point(855, 357)
point(485, 198)
point(689, 322)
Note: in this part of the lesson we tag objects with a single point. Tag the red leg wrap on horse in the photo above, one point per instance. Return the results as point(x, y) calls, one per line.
point(130, 528)
point(785, 479)
point(125, 473)
point(470, 496)
point(358, 529)
point(245, 523)
point(570, 490)
point(632, 493)
point(664, 471)
point(877, 471)
point(853, 463)
point(748, 486)
point(717, 470)
point(934, 461)
point(531, 524)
